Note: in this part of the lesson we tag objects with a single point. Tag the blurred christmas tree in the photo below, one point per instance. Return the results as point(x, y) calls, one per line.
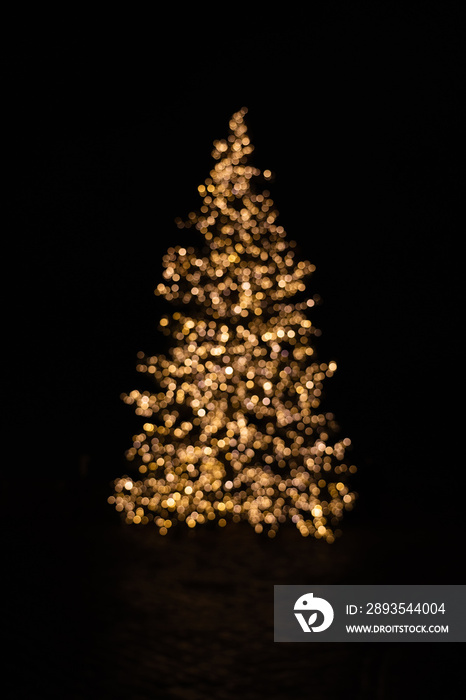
point(232, 426)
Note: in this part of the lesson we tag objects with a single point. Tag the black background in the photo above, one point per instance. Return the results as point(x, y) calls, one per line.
point(357, 113)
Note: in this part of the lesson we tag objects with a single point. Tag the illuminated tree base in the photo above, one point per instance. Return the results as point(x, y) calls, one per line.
point(319, 526)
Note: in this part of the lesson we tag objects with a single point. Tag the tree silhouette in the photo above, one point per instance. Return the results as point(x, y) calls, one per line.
point(232, 428)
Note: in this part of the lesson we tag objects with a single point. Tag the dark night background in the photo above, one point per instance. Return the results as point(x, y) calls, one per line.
point(357, 114)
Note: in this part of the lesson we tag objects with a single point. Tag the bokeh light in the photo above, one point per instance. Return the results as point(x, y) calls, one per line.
point(232, 429)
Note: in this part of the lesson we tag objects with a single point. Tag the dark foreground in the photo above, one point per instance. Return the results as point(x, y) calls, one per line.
point(103, 610)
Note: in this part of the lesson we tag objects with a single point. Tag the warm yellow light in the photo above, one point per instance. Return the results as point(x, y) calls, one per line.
point(232, 428)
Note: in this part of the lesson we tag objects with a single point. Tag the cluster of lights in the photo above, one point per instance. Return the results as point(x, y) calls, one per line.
point(232, 429)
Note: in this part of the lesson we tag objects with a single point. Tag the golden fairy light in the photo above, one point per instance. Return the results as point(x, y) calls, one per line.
point(232, 429)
